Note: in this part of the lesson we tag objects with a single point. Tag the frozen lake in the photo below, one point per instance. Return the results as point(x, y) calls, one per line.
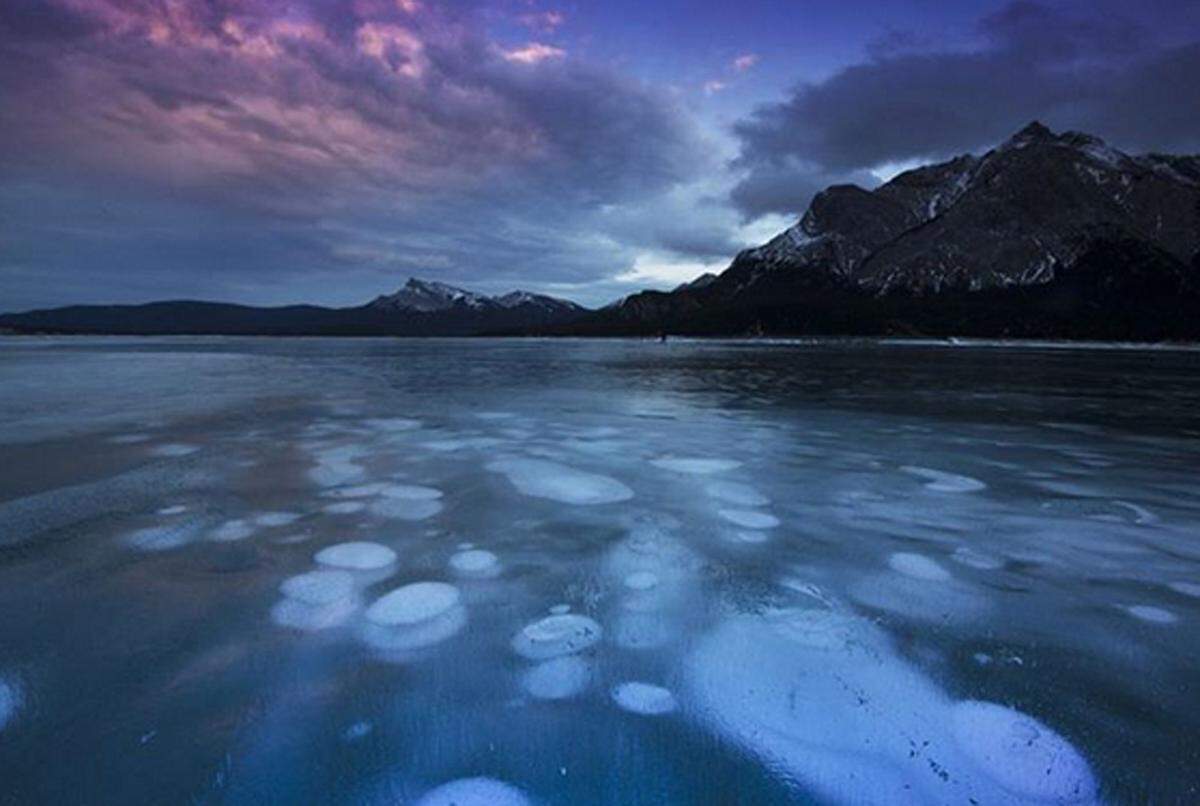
point(573, 572)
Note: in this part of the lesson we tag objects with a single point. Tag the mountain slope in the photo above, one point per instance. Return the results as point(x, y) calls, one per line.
point(1034, 228)
point(420, 308)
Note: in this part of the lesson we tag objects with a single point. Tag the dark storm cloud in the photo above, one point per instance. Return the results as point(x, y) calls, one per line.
point(275, 140)
point(1098, 73)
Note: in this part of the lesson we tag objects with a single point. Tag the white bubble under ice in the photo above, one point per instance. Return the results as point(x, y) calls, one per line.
point(1151, 614)
point(543, 479)
point(556, 635)
point(826, 698)
point(413, 603)
point(943, 482)
point(1186, 588)
point(356, 556)
point(173, 450)
point(344, 508)
point(231, 531)
point(414, 616)
point(696, 465)
point(749, 518)
point(276, 519)
point(918, 566)
point(557, 678)
point(643, 698)
point(475, 563)
point(1021, 754)
point(475, 792)
point(410, 492)
point(319, 587)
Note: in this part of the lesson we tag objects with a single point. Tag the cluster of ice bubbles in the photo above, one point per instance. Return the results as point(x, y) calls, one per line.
point(820, 694)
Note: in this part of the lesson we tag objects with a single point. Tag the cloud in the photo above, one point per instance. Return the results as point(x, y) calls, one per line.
point(1099, 73)
point(714, 86)
point(533, 53)
point(275, 152)
point(744, 62)
point(546, 22)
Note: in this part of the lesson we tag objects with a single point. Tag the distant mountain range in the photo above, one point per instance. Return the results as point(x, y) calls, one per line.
point(1046, 236)
point(420, 308)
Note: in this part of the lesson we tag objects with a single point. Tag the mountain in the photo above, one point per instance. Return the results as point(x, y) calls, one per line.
point(1048, 235)
point(419, 308)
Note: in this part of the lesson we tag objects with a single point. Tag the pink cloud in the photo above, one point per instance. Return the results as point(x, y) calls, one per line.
point(533, 53)
point(745, 62)
point(544, 21)
point(714, 86)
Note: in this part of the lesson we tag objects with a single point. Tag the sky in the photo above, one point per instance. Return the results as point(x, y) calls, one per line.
point(280, 151)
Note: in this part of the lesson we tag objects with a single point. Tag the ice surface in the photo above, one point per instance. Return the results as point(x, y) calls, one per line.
point(983, 582)
point(732, 492)
point(543, 479)
point(10, 701)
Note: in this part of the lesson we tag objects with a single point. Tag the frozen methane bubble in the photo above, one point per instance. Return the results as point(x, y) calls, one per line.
point(1186, 588)
point(694, 465)
point(732, 492)
point(475, 792)
point(475, 563)
point(825, 698)
point(276, 519)
point(166, 537)
point(542, 479)
point(943, 482)
point(556, 635)
point(358, 490)
point(392, 424)
point(749, 518)
point(410, 492)
point(231, 531)
point(1021, 754)
point(405, 509)
point(412, 604)
point(1150, 613)
point(918, 566)
point(344, 508)
point(557, 678)
point(173, 450)
point(414, 616)
point(177, 509)
point(643, 698)
point(974, 558)
point(319, 587)
point(356, 556)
